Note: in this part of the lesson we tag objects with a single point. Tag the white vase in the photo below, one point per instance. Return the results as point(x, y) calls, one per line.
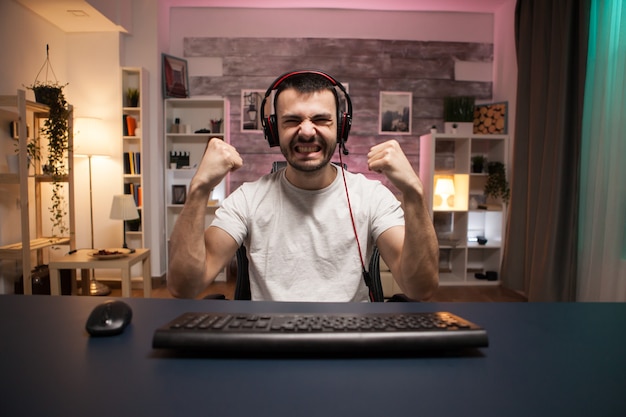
point(13, 161)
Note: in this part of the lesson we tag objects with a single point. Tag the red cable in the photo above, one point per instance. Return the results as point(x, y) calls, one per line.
point(356, 236)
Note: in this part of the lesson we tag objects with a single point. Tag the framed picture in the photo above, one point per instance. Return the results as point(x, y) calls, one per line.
point(15, 130)
point(179, 194)
point(251, 110)
point(175, 77)
point(490, 119)
point(395, 113)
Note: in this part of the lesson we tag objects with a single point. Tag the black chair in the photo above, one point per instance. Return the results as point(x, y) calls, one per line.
point(242, 285)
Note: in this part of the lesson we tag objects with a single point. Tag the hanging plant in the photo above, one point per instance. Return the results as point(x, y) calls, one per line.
point(497, 184)
point(56, 130)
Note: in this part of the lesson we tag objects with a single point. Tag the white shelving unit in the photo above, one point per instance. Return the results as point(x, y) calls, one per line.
point(461, 214)
point(188, 127)
point(30, 181)
point(133, 156)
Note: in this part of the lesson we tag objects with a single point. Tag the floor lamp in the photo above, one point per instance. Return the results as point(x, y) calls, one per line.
point(89, 143)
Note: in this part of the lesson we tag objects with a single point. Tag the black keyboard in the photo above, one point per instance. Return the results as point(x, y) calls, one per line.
point(319, 333)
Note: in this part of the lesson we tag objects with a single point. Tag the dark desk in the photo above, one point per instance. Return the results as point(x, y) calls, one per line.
point(544, 360)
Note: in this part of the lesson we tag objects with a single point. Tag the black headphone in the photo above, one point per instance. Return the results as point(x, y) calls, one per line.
point(344, 120)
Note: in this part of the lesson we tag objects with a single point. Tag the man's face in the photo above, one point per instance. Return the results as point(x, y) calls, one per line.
point(307, 128)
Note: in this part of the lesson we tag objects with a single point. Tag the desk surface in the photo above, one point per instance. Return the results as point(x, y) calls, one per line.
point(544, 360)
point(81, 259)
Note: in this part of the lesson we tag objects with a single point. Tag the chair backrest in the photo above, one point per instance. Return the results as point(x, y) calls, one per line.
point(242, 286)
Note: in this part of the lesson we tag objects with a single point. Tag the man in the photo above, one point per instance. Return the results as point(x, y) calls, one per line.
point(306, 229)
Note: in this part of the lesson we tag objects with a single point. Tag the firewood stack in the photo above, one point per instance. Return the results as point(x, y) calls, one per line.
point(490, 119)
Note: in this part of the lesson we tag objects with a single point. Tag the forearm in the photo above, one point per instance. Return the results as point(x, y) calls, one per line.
point(190, 269)
point(186, 269)
point(419, 260)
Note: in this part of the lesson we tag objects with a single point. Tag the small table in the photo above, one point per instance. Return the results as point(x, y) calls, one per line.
point(81, 260)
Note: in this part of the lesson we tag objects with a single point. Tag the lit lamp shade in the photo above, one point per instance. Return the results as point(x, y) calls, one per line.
point(444, 188)
point(124, 208)
point(89, 137)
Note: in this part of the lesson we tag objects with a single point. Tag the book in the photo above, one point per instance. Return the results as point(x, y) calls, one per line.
point(127, 166)
point(137, 161)
point(131, 124)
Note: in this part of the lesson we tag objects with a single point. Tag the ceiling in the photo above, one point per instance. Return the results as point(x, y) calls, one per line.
point(81, 16)
point(72, 15)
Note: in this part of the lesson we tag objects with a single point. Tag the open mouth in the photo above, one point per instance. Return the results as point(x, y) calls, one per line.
point(307, 149)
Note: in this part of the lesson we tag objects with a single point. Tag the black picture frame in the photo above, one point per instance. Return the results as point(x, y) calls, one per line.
point(179, 194)
point(395, 113)
point(175, 77)
point(250, 110)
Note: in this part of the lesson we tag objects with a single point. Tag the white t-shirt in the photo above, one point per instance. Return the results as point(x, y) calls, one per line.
point(300, 243)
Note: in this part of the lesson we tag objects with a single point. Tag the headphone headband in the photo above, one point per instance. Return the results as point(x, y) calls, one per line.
point(344, 120)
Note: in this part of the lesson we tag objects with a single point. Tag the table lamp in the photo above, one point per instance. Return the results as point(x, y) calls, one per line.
point(88, 142)
point(124, 208)
point(444, 187)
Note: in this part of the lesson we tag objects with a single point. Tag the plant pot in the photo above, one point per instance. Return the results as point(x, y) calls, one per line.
point(478, 167)
point(216, 126)
point(462, 128)
point(46, 94)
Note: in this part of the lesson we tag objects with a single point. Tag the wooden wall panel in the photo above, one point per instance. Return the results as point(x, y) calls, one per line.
point(368, 66)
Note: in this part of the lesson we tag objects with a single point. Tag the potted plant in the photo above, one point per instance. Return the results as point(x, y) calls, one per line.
point(32, 150)
point(459, 111)
point(497, 185)
point(478, 163)
point(56, 130)
point(132, 97)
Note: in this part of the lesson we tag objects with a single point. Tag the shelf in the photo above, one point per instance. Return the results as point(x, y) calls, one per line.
point(211, 206)
point(9, 178)
point(29, 188)
point(191, 115)
point(12, 102)
point(450, 188)
point(194, 135)
point(477, 246)
point(134, 181)
point(14, 251)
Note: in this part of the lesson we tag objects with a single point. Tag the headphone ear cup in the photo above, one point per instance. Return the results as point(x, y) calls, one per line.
point(344, 128)
point(270, 129)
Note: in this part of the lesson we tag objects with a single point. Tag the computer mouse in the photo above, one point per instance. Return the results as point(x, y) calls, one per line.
point(109, 318)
